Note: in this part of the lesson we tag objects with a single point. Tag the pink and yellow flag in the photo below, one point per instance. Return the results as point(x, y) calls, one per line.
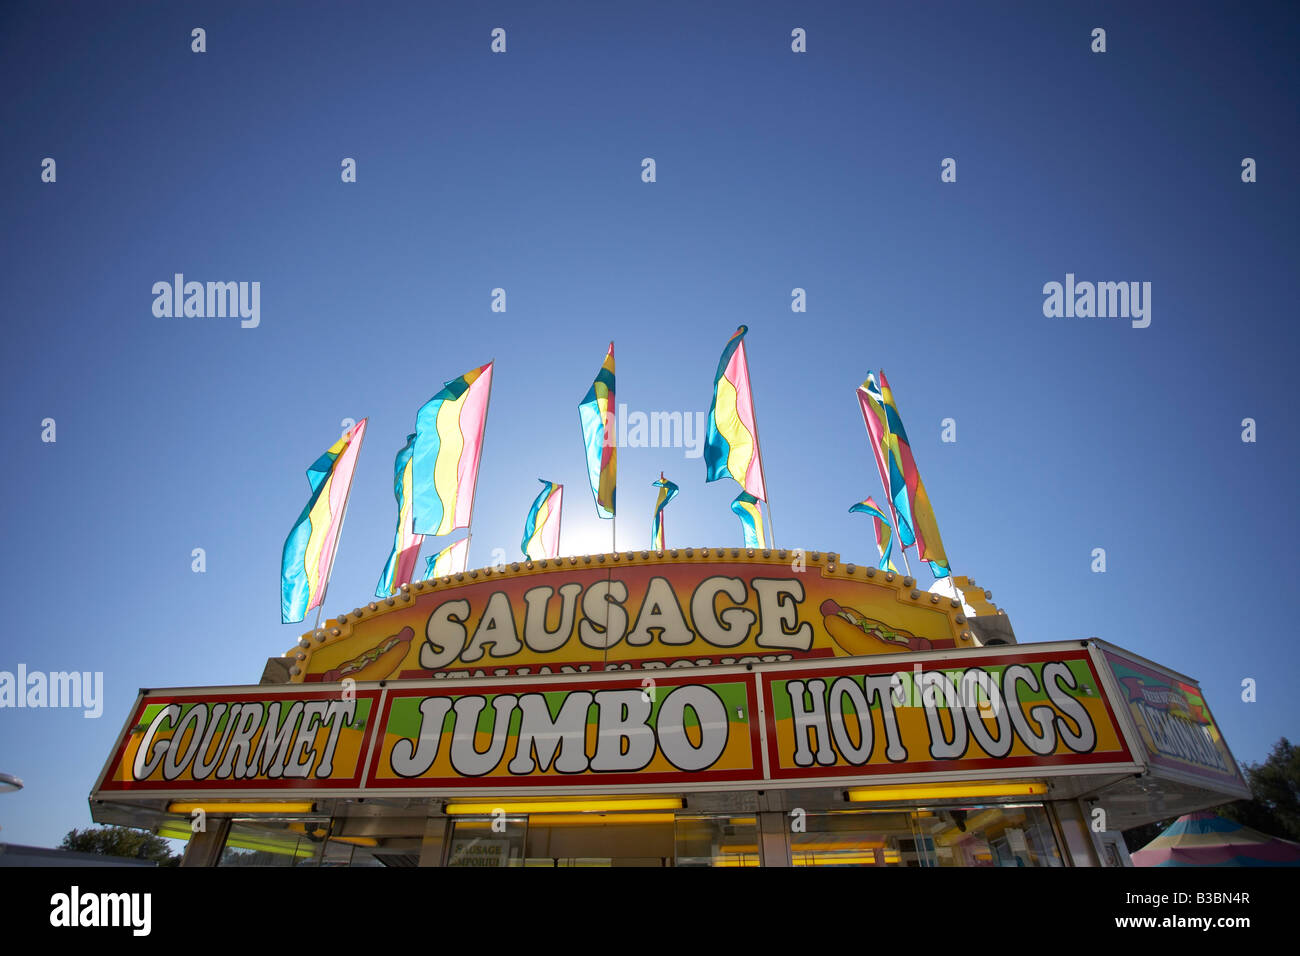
point(731, 447)
point(450, 560)
point(309, 550)
point(448, 443)
point(400, 566)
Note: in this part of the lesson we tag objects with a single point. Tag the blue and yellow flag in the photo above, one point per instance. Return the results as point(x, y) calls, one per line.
point(542, 526)
point(884, 533)
point(876, 418)
point(667, 492)
point(747, 510)
point(925, 528)
point(596, 412)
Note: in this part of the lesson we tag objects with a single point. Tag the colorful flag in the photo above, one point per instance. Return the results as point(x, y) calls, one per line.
point(406, 543)
point(731, 448)
point(542, 527)
point(877, 422)
point(448, 444)
point(309, 549)
point(667, 492)
point(450, 560)
point(751, 519)
point(928, 544)
point(883, 532)
point(596, 412)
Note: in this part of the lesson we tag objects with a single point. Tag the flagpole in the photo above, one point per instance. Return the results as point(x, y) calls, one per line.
point(758, 449)
point(347, 497)
point(559, 526)
point(482, 439)
point(663, 518)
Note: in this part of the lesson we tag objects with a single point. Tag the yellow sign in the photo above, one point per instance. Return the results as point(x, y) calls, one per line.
point(252, 739)
point(639, 610)
point(1016, 709)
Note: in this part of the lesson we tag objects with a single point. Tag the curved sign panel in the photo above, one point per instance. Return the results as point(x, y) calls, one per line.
point(632, 610)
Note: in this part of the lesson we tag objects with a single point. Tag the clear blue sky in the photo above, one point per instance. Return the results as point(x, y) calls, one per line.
point(522, 171)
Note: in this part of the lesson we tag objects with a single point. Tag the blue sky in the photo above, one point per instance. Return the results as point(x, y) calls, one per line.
point(775, 170)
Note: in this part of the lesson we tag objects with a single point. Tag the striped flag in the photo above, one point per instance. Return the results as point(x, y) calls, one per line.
point(884, 533)
point(406, 543)
point(448, 443)
point(450, 560)
point(309, 549)
point(891, 477)
point(751, 519)
point(731, 448)
point(596, 412)
point(928, 543)
point(667, 492)
point(542, 527)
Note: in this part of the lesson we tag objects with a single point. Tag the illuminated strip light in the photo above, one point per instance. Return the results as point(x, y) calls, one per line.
point(837, 846)
point(564, 806)
point(948, 791)
point(214, 807)
point(834, 859)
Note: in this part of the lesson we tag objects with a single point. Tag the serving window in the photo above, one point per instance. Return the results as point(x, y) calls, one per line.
point(951, 836)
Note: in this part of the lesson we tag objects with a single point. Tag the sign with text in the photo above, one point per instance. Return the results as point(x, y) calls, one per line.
point(626, 611)
point(572, 735)
point(1011, 712)
point(1175, 724)
point(994, 713)
point(261, 739)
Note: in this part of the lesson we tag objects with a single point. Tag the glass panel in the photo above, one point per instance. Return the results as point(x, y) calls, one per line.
point(987, 836)
point(273, 844)
point(854, 838)
point(600, 839)
point(717, 841)
point(488, 842)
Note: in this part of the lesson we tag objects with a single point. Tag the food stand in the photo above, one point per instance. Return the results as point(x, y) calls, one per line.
point(721, 707)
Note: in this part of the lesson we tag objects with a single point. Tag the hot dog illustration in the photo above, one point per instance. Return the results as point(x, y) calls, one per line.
point(858, 635)
point(378, 662)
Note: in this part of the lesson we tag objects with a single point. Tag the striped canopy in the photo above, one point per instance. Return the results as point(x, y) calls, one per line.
point(1203, 839)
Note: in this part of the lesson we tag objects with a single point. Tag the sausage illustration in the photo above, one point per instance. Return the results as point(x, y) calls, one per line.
point(378, 662)
point(858, 635)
